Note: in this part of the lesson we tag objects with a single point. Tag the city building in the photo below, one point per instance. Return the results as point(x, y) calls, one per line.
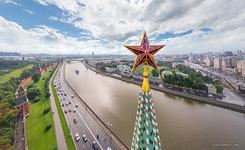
point(218, 63)
point(209, 62)
point(225, 62)
point(211, 89)
point(175, 64)
point(107, 69)
point(11, 56)
point(169, 72)
point(241, 67)
point(239, 53)
point(228, 53)
point(22, 102)
point(123, 68)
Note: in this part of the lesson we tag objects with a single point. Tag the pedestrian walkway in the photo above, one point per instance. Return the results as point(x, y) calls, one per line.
point(61, 143)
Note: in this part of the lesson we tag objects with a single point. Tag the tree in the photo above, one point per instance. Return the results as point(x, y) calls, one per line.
point(7, 133)
point(10, 116)
point(33, 92)
point(154, 73)
point(11, 99)
point(36, 76)
point(25, 74)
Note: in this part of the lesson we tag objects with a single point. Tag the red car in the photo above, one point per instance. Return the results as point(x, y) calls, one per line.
point(65, 111)
point(69, 102)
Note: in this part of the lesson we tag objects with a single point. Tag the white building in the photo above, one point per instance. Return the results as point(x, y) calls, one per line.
point(211, 89)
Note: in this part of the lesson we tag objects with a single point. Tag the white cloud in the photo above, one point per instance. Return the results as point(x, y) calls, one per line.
point(118, 22)
point(9, 2)
point(28, 11)
point(53, 18)
point(43, 39)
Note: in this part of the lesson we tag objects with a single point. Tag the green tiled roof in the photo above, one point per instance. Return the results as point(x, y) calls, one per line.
point(21, 89)
point(21, 100)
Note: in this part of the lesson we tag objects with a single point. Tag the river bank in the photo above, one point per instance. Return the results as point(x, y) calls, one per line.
point(182, 94)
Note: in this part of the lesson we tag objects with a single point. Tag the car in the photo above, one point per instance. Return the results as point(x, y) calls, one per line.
point(75, 120)
point(85, 139)
point(65, 94)
point(95, 145)
point(74, 110)
point(65, 111)
point(76, 105)
point(64, 98)
point(69, 102)
point(63, 105)
point(72, 96)
point(66, 104)
point(77, 137)
point(61, 93)
point(108, 148)
point(70, 110)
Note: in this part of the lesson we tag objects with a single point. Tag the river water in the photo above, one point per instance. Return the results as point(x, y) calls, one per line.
point(183, 123)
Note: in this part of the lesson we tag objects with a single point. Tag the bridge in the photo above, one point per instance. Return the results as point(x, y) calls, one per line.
point(69, 60)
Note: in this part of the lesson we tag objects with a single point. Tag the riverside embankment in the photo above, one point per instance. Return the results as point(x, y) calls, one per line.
point(182, 94)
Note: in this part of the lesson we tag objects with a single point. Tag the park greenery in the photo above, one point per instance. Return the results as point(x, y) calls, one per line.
point(39, 125)
point(36, 76)
point(102, 66)
point(14, 64)
point(195, 80)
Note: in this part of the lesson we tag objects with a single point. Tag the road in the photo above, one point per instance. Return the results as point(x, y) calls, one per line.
point(85, 123)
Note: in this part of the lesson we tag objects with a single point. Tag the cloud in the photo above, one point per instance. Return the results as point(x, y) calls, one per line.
point(9, 2)
point(44, 39)
point(118, 22)
point(28, 11)
point(53, 18)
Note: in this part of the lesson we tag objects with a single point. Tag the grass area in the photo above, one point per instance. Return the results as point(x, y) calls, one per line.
point(140, 69)
point(37, 137)
point(169, 69)
point(16, 73)
point(69, 141)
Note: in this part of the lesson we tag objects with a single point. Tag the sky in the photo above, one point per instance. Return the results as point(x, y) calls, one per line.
point(105, 26)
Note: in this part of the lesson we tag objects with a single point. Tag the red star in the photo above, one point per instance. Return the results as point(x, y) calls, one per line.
point(145, 52)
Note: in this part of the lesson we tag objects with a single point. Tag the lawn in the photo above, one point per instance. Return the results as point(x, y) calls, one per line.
point(140, 69)
point(37, 137)
point(69, 141)
point(16, 73)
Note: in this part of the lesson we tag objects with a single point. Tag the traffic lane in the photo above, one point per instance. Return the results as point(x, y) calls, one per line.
point(87, 124)
point(96, 129)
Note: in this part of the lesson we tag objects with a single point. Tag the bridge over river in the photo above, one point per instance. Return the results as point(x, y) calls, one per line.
point(183, 123)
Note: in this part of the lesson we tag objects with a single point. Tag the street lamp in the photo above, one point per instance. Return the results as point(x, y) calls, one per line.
point(110, 125)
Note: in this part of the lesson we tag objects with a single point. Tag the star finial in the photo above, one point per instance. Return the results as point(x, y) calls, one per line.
point(144, 52)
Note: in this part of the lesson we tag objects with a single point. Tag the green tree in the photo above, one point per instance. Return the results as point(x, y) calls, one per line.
point(25, 74)
point(154, 72)
point(33, 92)
point(10, 116)
point(11, 99)
point(7, 133)
point(36, 76)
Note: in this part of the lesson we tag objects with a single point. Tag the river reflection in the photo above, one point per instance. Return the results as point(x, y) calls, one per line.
point(183, 123)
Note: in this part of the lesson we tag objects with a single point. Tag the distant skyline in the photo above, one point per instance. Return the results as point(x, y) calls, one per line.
point(105, 26)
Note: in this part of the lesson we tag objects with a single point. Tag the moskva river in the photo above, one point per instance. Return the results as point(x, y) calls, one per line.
point(183, 123)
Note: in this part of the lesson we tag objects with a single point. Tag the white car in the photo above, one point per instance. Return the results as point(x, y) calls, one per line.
point(76, 105)
point(85, 138)
point(74, 110)
point(77, 137)
point(108, 148)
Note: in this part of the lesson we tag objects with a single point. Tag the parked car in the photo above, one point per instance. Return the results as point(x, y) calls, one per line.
point(75, 120)
point(69, 102)
point(76, 105)
point(108, 148)
point(63, 105)
point(65, 94)
point(70, 110)
point(95, 145)
point(77, 137)
point(85, 139)
point(66, 104)
point(65, 111)
point(72, 96)
point(74, 110)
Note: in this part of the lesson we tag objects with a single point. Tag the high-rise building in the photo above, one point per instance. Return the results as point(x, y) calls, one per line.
point(228, 53)
point(218, 63)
